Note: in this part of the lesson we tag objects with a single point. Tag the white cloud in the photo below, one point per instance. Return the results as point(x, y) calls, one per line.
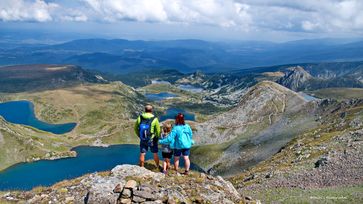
point(309, 26)
point(212, 12)
point(20, 10)
point(38, 10)
point(256, 15)
point(308, 15)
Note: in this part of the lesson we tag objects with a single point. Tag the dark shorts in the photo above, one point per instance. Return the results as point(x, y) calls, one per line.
point(167, 155)
point(144, 147)
point(180, 152)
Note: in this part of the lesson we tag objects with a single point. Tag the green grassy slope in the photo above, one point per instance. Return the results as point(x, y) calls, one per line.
point(338, 93)
point(337, 135)
point(104, 114)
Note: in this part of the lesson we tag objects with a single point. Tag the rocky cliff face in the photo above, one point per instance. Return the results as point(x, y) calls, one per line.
point(133, 184)
point(295, 78)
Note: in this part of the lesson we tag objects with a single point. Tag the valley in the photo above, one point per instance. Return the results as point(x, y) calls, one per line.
point(248, 127)
point(256, 101)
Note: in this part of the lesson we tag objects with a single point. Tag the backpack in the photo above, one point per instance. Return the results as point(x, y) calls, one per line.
point(145, 128)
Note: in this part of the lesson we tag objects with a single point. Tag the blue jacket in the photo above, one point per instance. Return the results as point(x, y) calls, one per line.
point(180, 137)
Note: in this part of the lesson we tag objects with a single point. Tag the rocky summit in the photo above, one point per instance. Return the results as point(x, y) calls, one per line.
point(295, 78)
point(133, 184)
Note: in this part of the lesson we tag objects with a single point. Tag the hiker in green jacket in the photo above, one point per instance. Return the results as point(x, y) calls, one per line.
point(147, 128)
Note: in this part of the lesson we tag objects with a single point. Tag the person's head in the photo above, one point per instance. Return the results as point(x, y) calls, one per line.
point(148, 108)
point(167, 128)
point(179, 119)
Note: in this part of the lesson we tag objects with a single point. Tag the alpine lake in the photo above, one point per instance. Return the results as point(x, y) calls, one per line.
point(25, 176)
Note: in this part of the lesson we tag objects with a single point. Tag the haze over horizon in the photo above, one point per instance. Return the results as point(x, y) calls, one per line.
point(213, 20)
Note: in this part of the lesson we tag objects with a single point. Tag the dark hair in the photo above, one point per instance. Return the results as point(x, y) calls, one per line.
point(179, 119)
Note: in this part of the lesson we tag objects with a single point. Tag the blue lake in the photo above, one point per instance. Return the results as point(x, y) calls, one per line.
point(307, 97)
point(171, 113)
point(191, 88)
point(22, 112)
point(160, 96)
point(25, 176)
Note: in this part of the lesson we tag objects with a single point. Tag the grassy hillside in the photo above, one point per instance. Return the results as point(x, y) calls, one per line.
point(104, 114)
point(37, 77)
point(267, 117)
point(323, 163)
point(338, 93)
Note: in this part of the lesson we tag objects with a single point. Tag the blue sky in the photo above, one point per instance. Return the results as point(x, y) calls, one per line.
point(273, 20)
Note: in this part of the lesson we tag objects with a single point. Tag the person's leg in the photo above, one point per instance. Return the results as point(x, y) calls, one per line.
point(155, 149)
point(186, 153)
point(171, 156)
point(187, 162)
point(142, 159)
point(143, 150)
point(176, 163)
point(156, 159)
point(167, 164)
point(177, 154)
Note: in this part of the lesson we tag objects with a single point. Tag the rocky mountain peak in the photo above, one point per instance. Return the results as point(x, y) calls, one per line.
point(295, 78)
point(197, 77)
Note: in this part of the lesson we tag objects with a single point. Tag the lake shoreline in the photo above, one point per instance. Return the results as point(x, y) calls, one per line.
point(89, 159)
point(71, 153)
point(22, 112)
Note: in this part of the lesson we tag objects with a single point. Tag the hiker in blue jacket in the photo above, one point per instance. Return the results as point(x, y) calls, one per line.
point(180, 140)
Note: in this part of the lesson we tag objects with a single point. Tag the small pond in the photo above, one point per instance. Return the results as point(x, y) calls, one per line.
point(172, 112)
point(160, 96)
point(191, 88)
point(308, 97)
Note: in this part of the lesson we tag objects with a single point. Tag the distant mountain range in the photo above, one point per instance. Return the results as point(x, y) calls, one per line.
point(124, 56)
point(42, 77)
point(227, 88)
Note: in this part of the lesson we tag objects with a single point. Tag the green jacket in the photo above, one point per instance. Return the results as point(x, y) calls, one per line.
point(155, 127)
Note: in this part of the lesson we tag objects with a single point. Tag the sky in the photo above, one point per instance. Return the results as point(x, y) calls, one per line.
point(271, 20)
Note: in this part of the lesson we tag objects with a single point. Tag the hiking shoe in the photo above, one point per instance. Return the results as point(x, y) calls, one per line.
point(165, 172)
point(186, 173)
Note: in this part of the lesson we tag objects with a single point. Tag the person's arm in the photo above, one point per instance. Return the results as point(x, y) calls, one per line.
point(155, 128)
point(137, 126)
point(168, 139)
point(190, 132)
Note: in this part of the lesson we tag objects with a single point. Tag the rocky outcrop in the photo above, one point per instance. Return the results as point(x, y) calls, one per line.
point(133, 184)
point(195, 78)
point(295, 78)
